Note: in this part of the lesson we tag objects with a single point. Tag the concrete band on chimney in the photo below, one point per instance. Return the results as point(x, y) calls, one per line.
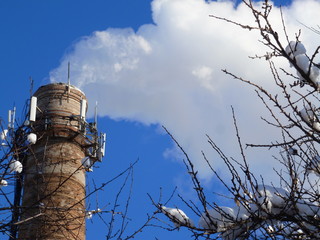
point(53, 202)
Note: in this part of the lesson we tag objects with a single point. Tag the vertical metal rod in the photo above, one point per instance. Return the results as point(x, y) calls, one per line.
point(69, 74)
point(16, 206)
point(13, 117)
point(31, 86)
point(96, 115)
point(68, 85)
point(9, 119)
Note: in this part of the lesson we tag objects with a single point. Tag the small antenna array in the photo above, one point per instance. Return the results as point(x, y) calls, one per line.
point(11, 118)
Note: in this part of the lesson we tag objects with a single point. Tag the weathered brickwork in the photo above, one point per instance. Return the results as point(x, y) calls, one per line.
point(53, 204)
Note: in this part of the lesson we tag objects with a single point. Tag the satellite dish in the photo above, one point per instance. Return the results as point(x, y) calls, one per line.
point(32, 138)
point(15, 166)
point(3, 183)
point(3, 134)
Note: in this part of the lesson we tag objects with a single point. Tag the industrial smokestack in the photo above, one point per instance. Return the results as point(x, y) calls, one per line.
point(53, 202)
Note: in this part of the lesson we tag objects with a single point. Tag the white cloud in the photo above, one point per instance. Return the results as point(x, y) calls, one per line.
point(169, 72)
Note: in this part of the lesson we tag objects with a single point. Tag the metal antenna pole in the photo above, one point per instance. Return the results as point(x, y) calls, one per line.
point(68, 86)
point(96, 115)
point(31, 86)
point(16, 206)
point(13, 118)
point(69, 74)
point(18, 180)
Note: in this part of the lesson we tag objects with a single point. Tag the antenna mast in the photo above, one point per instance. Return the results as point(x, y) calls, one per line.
point(31, 86)
point(68, 73)
point(68, 86)
point(96, 115)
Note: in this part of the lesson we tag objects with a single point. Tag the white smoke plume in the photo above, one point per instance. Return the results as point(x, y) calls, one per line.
point(169, 72)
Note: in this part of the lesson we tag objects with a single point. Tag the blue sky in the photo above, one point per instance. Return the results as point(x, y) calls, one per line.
point(38, 37)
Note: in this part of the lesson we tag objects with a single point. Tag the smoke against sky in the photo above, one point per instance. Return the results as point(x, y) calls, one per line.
point(169, 72)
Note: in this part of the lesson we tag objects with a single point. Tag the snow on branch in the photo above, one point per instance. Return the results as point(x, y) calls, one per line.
point(291, 208)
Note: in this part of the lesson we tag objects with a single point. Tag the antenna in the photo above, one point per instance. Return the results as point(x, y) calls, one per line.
point(33, 109)
point(11, 118)
point(68, 86)
point(31, 85)
point(102, 145)
point(68, 73)
point(83, 107)
point(96, 115)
